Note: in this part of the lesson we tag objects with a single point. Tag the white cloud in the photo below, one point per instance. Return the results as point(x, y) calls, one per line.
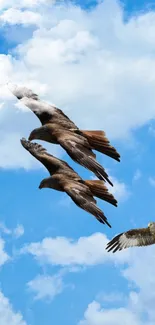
point(110, 297)
point(46, 287)
point(119, 190)
point(137, 307)
point(7, 315)
point(152, 181)
point(4, 229)
point(95, 315)
point(3, 255)
point(119, 55)
point(151, 130)
point(15, 16)
point(18, 231)
point(85, 251)
point(23, 3)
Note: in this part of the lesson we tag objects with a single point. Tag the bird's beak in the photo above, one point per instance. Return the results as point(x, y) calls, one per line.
point(40, 187)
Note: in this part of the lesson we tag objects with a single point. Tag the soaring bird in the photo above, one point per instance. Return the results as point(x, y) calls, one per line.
point(63, 178)
point(134, 237)
point(50, 114)
point(74, 144)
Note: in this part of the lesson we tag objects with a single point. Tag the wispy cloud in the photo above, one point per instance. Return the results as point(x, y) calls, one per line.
point(119, 189)
point(4, 257)
point(16, 232)
point(152, 181)
point(85, 251)
point(46, 287)
point(137, 175)
point(7, 314)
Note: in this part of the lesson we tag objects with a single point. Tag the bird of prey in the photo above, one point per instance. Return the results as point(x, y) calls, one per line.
point(63, 178)
point(134, 237)
point(51, 114)
point(84, 141)
point(75, 145)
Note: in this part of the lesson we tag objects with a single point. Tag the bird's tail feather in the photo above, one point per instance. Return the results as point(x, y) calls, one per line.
point(98, 141)
point(99, 190)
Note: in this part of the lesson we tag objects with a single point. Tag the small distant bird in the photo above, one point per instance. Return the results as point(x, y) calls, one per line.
point(65, 179)
point(134, 237)
point(82, 142)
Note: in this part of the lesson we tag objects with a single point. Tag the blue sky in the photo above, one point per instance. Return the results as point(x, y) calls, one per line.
point(100, 69)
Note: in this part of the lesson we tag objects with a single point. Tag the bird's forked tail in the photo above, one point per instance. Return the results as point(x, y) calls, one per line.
point(98, 141)
point(99, 190)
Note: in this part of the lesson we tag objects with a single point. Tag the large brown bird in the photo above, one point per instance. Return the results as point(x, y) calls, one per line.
point(79, 143)
point(65, 179)
point(74, 144)
point(134, 237)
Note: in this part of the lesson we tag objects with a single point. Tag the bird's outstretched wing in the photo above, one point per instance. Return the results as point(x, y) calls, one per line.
point(44, 111)
point(83, 198)
point(20, 91)
point(63, 120)
point(52, 163)
point(85, 157)
point(134, 237)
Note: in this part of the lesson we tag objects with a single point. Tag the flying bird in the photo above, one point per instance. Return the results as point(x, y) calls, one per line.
point(50, 114)
point(63, 178)
point(134, 237)
point(74, 144)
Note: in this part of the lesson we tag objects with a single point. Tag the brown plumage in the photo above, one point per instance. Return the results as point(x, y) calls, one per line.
point(99, 142)
point(99, 190)
point(65, 179)
point(134, 237)
point(50, 114)
point(75, 145)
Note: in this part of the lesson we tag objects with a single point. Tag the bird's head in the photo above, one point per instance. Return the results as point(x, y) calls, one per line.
point(44, 183)
point(39, 134)
point(151, 225)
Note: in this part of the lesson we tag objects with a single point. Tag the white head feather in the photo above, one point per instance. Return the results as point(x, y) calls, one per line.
point(151, 225)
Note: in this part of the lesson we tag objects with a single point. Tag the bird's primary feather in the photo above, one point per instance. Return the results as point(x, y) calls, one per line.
point(134, 237)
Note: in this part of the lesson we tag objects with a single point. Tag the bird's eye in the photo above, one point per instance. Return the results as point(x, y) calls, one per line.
point(19, 97)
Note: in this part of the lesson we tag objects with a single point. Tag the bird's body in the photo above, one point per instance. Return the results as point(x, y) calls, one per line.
point(64, 178)
point(134, 237)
